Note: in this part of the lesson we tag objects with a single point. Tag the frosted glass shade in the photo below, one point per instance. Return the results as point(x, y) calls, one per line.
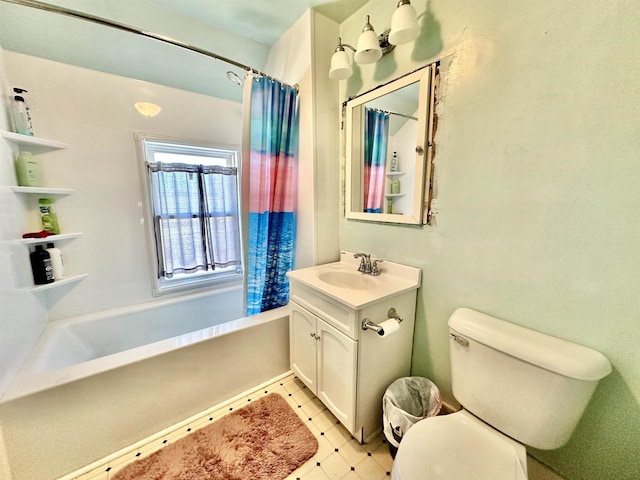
point(147, 109)
point(340, 66)
point(368, 48)
point(404, 25)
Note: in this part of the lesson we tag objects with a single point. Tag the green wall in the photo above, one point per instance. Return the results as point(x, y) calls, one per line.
point(538, 170)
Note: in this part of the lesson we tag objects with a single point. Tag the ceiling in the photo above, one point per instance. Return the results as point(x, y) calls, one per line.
point(241, 30)
point(262, 21)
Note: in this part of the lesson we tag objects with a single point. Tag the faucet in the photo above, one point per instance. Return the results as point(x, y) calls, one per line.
point(365, 263)
point(366, 266)
point(374, 267)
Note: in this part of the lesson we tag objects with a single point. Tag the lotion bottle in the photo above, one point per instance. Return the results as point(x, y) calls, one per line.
point(21, 114)
point(56, 261)
point(28, 170)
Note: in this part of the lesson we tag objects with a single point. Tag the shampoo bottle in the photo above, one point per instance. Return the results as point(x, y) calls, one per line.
point(28, 170)
point(48, 216)
point(56, 261)
point(21, 114)
point(41, 266)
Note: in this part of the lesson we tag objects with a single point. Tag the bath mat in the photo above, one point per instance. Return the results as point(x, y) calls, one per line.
point(264, 440)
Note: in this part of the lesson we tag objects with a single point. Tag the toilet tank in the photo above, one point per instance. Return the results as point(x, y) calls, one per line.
point(530, 386)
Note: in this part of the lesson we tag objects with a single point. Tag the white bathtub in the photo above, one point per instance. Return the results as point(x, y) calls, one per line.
point(98, 383)
point(85, 345)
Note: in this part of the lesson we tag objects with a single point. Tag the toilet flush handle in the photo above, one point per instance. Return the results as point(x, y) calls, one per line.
point(459, 340)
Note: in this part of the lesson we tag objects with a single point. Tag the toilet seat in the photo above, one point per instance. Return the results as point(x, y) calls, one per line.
point(458, 447)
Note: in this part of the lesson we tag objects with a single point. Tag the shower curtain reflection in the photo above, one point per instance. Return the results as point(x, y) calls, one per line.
point(376, 139)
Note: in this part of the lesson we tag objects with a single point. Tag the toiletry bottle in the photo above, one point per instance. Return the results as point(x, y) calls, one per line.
point(48, 216)
point(395, 185)
point(41, 266)
point(21, 114)
point(389, 205)
point(28, 170)
point(394, 162)
point(56, 261)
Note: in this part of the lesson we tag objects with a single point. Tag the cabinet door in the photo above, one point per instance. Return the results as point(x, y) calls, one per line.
point(303, 340)
point(337, 357)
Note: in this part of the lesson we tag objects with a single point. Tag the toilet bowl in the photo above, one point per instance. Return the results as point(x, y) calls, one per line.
point(517, 387)
point(458, 447)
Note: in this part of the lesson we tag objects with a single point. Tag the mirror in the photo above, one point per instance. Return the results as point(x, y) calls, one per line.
point(388, 150)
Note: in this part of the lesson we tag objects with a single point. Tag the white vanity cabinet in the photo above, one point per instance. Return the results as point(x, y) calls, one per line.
point(346, 367)
point(325, 360)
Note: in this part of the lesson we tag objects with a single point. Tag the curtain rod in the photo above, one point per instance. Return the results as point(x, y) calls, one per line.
point(128, 28)
point(394, 113)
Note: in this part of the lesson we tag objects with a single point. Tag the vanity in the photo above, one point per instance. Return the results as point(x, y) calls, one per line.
point(347, 367)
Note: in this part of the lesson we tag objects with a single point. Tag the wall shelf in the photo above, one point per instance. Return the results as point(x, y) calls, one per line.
point(43, 190)
point(35, 144)
point(59, 283)
point(49, 239)
point(395, 174)
point(394, 195)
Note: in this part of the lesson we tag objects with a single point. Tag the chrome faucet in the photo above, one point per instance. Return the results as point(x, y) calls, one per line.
point(374, 267)
point(366, 266)
point(365, 263)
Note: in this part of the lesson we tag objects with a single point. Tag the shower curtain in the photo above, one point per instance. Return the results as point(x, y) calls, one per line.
point(273, 159)
point(376, 139)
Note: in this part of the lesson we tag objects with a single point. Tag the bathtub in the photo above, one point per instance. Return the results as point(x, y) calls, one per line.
point(87, 390)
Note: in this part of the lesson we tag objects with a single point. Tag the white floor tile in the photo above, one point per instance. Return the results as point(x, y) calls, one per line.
point(339, 456)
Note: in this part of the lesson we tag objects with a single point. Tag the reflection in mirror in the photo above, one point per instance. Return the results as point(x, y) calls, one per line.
point(388, 162)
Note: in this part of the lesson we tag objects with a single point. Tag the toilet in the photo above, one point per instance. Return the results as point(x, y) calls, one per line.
point(516, 386)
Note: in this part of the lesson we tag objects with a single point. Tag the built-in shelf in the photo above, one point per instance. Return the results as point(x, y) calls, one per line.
point(43, 190)
point(35, 144)
point(394, 195)
point(59, 283)
point(395, 174)
point(50, 238)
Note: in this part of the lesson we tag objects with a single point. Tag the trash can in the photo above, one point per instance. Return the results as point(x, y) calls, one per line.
point(405, 402)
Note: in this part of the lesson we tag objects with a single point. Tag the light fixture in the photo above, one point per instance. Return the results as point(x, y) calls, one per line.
point(340, 63)
point(404, 24)
point(368, 48)
point(147, 109)
point(372, 47)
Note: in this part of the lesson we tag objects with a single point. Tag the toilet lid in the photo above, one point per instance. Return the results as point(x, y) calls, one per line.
point(458, 447)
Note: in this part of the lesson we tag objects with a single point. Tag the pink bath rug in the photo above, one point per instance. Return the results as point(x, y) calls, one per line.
point(265, 440)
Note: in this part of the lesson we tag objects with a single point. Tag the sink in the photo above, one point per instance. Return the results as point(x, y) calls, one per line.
point(341, 281)
point(348, 280)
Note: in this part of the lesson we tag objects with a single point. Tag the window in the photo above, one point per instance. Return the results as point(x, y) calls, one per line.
point(192, 213)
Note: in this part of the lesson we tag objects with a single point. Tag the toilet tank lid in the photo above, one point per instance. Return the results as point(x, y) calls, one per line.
point(545, 351)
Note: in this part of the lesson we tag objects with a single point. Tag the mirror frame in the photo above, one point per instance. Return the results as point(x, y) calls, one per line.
point(354, 132)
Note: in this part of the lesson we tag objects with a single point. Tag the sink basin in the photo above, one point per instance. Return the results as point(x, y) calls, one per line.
point(341, 281)
point(348, 280)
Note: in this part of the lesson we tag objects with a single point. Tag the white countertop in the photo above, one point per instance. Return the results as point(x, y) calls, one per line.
point(394, 279)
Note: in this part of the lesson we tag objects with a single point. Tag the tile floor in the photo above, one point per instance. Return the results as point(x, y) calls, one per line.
point(339, 455)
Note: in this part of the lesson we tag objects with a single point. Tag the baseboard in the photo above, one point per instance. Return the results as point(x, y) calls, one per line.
point(155, 442)
point(539, 471)
point(448, 408)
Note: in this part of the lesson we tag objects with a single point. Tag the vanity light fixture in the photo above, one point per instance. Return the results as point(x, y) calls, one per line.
point(147, 109)
point(404, 24)
point(371, 47)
